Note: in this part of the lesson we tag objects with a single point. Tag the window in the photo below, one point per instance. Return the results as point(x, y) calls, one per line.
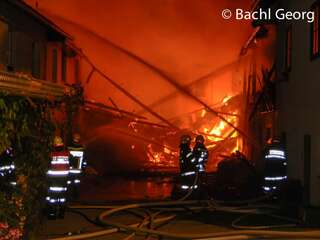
point(36, 60)
point(22, 51)
point(4, 43)
point(63, 66)
point(315, 50)
point(54, 64)
point(76, 71)
point(288, 60)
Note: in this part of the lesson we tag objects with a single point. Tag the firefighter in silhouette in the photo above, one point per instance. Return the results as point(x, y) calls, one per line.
point(77, 164)
point(275, 169)
point(187, 165)
point(57, 177)
point(7, 170)
point(200, 153)
point(185, 152)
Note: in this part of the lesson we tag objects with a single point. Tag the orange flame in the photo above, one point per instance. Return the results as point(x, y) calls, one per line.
point(214, 129)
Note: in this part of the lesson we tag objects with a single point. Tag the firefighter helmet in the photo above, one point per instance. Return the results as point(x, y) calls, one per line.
point(57, 142)
point(185, 139)
point(200, 139)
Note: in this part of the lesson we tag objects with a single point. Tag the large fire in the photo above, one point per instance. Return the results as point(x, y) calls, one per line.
point(221, 138)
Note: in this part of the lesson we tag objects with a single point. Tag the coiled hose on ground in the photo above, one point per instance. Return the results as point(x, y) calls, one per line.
point(150, 219)
point(137, 228)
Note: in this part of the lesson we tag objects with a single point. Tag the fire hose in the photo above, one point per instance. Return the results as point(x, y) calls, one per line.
point(151, 219)
point(190, 190)
point(134, 228)
point(145, 221)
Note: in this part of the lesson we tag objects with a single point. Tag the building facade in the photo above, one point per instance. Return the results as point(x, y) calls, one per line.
point(298, 88)
point(34, 48)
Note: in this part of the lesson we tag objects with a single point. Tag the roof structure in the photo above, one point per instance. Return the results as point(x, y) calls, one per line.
point(40, 18)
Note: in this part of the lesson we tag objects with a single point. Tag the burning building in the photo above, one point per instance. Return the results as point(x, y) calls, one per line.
point(152, 71)
point(140, 98)
point(136, 104)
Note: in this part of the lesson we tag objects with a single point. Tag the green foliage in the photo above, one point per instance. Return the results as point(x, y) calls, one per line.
point(9, 213)
point(27, 126)
point(10, 122)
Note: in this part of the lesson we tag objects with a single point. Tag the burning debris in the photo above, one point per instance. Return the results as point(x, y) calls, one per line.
point(221, 138)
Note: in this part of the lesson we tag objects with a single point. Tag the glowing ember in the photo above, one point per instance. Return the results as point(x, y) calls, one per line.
point(226, 99)
point(221, 138)
point(164, 158)
point(203, 113)
point(221, 130)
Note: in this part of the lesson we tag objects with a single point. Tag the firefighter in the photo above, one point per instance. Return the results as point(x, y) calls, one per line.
point(7, 169)
point(187, 164)
point(77, 164)
point(57, 177)
point(275, 170)
point(201, 154)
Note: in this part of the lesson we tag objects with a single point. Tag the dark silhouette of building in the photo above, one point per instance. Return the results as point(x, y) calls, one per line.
point(298, 87)
point(36, 56)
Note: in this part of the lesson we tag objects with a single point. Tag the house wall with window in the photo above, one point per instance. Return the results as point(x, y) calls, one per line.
point(32, 46)
point(25, 43)
point(298, 97)
point(71, 67)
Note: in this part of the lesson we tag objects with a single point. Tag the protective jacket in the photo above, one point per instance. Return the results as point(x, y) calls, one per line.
point(275, 171)
point(77, 163)
point(201, 156)
point(58, 176)
point(187, 159)
point(7, 168)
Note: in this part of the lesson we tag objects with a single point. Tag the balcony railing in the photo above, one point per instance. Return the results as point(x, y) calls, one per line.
point(23, 85)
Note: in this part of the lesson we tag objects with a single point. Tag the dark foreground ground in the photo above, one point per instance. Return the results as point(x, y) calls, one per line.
point(118, 191)
point(109, 191)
